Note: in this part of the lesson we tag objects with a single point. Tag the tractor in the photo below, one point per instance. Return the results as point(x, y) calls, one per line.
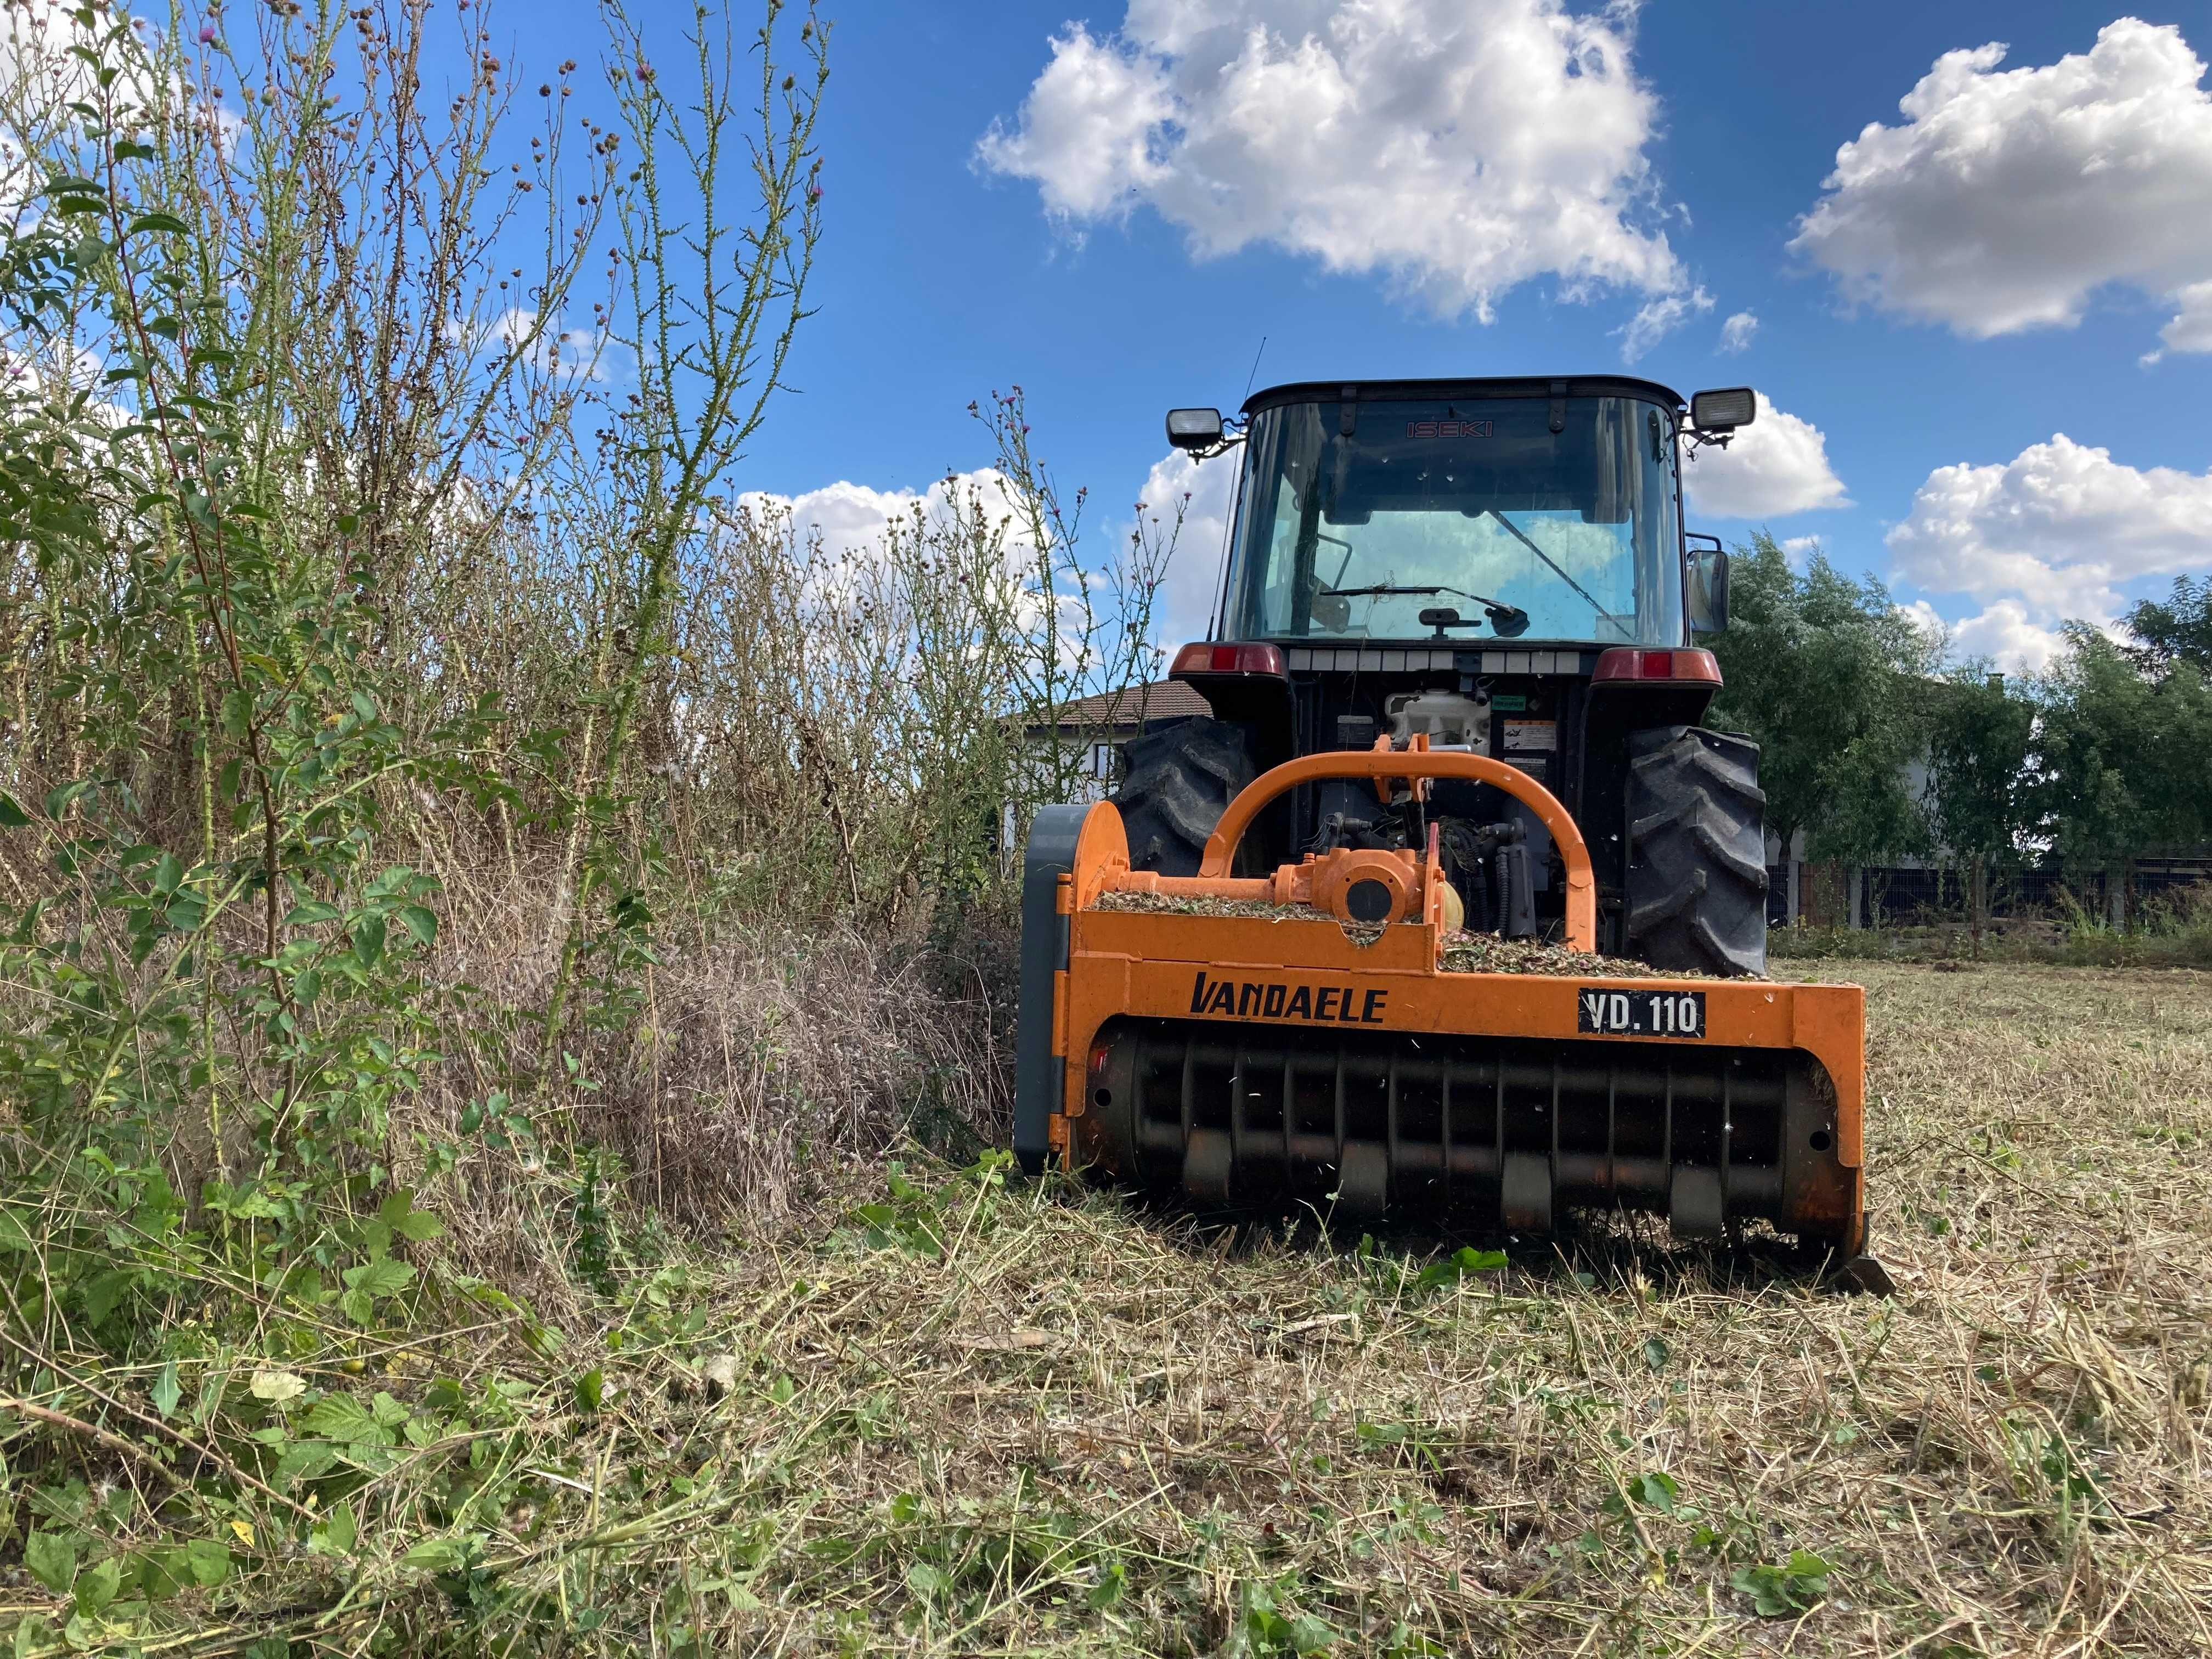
point(1452, 902)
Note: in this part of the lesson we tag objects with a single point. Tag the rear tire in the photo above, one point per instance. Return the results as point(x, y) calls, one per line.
point(1697, 852)
point(1176, 784)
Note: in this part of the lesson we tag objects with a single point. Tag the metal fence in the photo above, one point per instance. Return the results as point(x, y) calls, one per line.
point(1907, 894)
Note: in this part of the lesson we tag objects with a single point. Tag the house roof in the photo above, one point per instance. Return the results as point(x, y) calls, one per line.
point(1157, 700)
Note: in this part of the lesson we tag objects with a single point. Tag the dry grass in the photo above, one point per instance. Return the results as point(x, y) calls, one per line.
point(985, 1420)
point(1220, 1412)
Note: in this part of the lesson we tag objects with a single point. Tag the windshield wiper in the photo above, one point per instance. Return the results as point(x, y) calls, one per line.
point(1515, 530)
point(1505, 620)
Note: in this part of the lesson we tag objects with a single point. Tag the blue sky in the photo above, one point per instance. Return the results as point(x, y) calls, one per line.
point(2027, 254)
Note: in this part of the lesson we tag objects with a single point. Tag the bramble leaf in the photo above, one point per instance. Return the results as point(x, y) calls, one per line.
point(52, 1558)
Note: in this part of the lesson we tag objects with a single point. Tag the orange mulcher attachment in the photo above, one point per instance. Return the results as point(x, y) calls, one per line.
point(1324, 1050)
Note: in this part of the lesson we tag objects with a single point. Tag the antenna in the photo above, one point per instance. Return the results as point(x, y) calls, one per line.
point(1256, 355)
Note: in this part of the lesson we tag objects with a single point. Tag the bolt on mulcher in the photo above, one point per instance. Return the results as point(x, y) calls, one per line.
point(1450, 902)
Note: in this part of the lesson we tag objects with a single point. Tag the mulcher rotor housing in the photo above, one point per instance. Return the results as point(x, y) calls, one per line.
point(1456, 696)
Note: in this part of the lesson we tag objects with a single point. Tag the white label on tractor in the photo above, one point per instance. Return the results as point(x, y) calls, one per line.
point(1603, 1010)
point(1527, 735)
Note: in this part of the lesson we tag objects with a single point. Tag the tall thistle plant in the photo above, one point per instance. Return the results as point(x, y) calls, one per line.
point(277, 390)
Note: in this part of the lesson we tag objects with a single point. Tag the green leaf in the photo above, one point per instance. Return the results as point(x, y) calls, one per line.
point(1656, 1489)
point(167, 221)
point(209, 1561)
point(356, 1306)
point(304, 1462)
point(369, 940)
point(103, 1294)
point(165, 1392)
point(420, 922)
point(310, 912)
point(336, 1536)
point(186, 912)
point(237, 712)
point(97, 1586)
point(12, 815)
point(379, 1278)
point(399, 1214)
point(592, 1389)
point(52, 1558)
point(342, 1418)
point(438, 1555)
point(169, 874)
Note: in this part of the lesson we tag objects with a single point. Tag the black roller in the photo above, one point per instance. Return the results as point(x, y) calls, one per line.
point(1511, 1131)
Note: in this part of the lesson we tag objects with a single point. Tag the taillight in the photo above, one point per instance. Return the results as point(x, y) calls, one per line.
point(1634, 663)
point(1204, 658)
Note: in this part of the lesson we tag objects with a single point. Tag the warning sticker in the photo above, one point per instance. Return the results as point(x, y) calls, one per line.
point(1523, 736)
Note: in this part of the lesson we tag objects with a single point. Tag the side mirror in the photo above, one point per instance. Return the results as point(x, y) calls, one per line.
point(1194, 429)
point(1723, 411)
point(1708, 590)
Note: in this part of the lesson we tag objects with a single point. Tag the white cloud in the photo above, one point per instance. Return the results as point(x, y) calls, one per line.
point(1457, 147)
point(2007, 198)
point(1776, 466)
point(1185, 608)
point(851, 517)
point(2006, 634)
point(2056, 532)
point(2191, 327)
point(581, 353)
point(1799, 550)
point(1737, 332)
point(1656, 319)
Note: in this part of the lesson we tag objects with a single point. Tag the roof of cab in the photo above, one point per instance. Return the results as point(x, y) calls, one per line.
point(1585, 386)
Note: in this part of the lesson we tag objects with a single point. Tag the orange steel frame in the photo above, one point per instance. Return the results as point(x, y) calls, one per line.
point(1143, 963)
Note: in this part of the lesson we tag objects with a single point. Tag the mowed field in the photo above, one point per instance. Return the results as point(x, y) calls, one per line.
point(962, 1417)
point(1086, 1427)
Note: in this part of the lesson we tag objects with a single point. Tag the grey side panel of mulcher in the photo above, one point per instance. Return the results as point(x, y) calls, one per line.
point(1040, 1075)
point(1697, 852)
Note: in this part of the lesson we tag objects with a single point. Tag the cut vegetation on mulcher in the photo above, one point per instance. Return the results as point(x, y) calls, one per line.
point(1450, 904)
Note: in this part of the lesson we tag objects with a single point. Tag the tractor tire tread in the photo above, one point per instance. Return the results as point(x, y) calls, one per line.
point(1177, 783)
point(1696, 882)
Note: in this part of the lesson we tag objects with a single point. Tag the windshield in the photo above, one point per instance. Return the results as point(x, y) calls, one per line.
point(1475, 506)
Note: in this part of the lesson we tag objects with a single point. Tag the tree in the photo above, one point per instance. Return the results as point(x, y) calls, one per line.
point(2119, 753)
point(1979, 735)
point(1823, 670)
point(2179, 631)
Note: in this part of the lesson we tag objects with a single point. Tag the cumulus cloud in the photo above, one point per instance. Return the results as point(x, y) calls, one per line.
point(2191, 327)
point(1737, 332)
point(580, 353)
point(850, 518)
point(1656, 319)
point(2005, 636)
point(2008, 197)
point(1456, 147)
point(1799, 550)
point(1776, 466)
point(2054, 533)
point(1184, 610)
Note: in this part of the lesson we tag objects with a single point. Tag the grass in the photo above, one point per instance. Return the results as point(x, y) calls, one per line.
point(961, 1416)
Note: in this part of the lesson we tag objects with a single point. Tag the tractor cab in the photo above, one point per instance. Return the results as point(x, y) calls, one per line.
point(1495, 566)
